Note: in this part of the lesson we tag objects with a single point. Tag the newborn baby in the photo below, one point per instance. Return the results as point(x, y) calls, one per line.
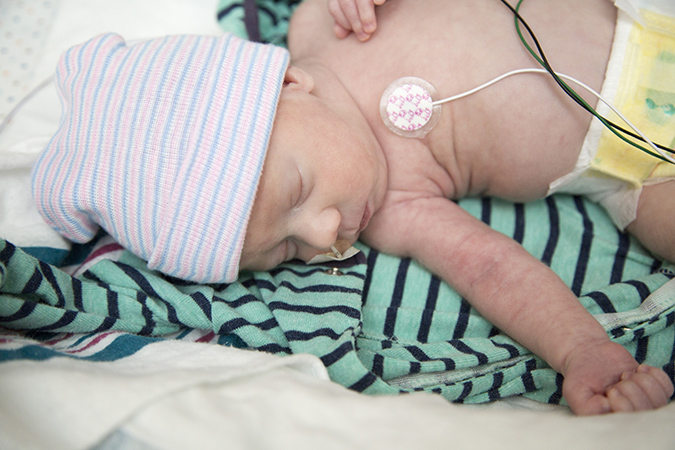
point(208, 155)
point(335, 172)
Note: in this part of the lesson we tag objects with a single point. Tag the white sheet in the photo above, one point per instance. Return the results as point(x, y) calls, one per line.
point(179, 395)
point(69, 403)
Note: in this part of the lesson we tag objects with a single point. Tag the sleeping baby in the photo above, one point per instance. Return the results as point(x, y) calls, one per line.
point(209, 155)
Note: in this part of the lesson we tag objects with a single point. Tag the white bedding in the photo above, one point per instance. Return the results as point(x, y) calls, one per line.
point(190, 395)
point(178, 395)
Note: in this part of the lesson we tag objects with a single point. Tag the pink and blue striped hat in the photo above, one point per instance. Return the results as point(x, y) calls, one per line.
point(162, 144)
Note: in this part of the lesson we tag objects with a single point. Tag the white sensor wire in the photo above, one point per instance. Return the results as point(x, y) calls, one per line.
point(568, 78)
point(651, 144)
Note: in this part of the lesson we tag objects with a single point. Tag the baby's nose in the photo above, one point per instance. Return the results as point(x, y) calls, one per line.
point(321, 231)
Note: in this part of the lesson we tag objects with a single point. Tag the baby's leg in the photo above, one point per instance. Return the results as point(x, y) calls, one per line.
point(655, 223)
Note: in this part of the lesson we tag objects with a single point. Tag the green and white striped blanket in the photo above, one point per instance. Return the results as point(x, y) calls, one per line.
point(380, 324)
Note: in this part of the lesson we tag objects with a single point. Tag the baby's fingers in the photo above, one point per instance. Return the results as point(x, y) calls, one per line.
point(354, 15)
point(342, 25)
point(646, 388)
point(627, 396)
point(655, 382)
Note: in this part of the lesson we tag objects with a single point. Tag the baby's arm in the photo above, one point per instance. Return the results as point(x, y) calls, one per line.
point(522, 297)
point(357, 16)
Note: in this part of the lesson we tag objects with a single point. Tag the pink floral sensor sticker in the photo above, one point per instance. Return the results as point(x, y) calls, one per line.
point(407, 107)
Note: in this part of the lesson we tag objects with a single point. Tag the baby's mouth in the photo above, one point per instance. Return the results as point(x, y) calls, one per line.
point(365, 219)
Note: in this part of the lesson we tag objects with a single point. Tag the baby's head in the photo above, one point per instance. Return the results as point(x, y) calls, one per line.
point(162, 144)
point(323, 179)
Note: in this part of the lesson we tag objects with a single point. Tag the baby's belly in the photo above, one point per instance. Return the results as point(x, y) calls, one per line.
point(516, 152)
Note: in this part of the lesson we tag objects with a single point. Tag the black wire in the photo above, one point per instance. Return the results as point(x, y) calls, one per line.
point(573, 95)
point(542, 55)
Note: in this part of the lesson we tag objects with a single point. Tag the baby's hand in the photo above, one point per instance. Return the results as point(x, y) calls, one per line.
point(607, 379)
point(357, 16)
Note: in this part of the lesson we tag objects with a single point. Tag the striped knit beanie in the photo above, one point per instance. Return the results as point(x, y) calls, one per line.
point(162, 144)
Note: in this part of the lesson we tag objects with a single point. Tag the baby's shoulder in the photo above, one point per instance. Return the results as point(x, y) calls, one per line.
point(414, 166)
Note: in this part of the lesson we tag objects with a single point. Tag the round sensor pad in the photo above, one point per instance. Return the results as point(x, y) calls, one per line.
point(407, 107)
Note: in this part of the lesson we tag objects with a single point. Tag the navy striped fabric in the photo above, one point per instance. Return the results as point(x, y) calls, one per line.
point(380, 324)
point(257, 20)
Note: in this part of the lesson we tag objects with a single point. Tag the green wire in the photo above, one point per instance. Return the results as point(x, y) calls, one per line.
point(609, 125)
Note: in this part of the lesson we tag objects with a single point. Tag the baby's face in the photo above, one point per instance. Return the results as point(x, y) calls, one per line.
point(321, 183)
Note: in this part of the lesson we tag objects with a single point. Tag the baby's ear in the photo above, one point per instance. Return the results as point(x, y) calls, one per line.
point(296, 78)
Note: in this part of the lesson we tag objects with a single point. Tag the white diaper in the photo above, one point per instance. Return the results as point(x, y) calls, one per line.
point(640, 82)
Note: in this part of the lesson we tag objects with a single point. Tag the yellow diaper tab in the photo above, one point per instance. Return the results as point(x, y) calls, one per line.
point(646, 96)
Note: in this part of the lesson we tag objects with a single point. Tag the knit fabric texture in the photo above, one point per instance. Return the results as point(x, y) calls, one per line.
point(162, 144)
